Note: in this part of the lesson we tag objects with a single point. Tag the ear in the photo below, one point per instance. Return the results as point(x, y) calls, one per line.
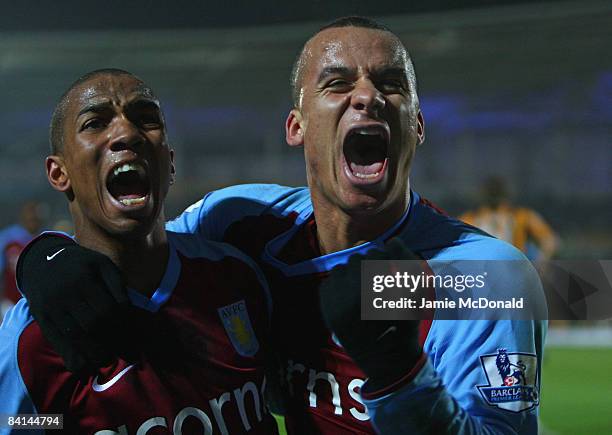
point(294, 133)
point(420, 128)
point(57, 175)
point(172, 167)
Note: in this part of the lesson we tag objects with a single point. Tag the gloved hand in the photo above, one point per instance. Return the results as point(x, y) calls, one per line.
point(77, 297)
point(385, 350)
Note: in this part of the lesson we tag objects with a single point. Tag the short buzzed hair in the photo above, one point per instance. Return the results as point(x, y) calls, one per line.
point(56, 129)
point(349, 21)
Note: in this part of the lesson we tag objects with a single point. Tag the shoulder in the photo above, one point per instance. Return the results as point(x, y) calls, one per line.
point(435, 234)
point(267, 193)
point(430, 231)
point(473, 244)
point(214, 213)
point(508, 272)
point(15, 321)
point(252, 198)
point(444, 240)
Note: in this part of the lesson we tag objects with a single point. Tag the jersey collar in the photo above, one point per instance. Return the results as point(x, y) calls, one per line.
point(326, 262)
point(166, 286)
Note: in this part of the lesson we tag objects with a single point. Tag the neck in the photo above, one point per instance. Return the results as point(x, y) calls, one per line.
point(142, 260)
point(338, 229)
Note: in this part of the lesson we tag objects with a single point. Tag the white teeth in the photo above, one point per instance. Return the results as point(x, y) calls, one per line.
point(366, 176)
point(369, 132)
point(128, 167)
point(133, 201)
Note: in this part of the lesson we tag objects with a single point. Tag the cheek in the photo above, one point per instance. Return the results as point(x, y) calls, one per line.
point(83, 171)
point(85, 187)
point(312, 156)
point(324, 113)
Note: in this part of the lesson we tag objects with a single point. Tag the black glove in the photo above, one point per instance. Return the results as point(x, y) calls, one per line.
point(385, 350)
point(77, 297)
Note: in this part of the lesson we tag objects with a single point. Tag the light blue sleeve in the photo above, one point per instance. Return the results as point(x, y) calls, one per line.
point(452, 392)
point(14, 396)
point(213, 214)
point(481, 377)
point(194, 220)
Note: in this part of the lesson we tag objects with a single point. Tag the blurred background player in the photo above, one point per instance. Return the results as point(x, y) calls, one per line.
point(12, 240)
point(522, 227)
point(195, 341)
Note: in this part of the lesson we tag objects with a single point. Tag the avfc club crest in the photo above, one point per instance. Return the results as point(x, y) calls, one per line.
point(237, 323)
point(513, 380)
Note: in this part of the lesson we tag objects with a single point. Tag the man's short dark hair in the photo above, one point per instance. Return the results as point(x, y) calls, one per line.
point(56, 129)
point(350, 21)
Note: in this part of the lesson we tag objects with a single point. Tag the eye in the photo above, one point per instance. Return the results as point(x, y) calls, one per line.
point(339, 85)
point(150, 122)
point(93, 124)
point(146, 116)
point(391, 86)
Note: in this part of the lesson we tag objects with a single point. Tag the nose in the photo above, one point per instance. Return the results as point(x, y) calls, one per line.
point(125, 135)
point(366, 97)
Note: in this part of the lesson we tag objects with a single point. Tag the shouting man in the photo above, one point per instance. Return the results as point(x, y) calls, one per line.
point(194, 360)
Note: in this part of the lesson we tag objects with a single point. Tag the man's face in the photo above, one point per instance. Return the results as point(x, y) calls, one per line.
point(116, 160)
point(359, 118)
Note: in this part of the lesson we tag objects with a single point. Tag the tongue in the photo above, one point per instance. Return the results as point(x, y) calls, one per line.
point(370, 169)
point(128, 186)
point(365, 154)
point(128, 191)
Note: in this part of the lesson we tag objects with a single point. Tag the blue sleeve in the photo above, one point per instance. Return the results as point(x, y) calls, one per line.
point(194, 220)
point(480, 377)
point(14, 396)
point(213, 214)
point(459, 390)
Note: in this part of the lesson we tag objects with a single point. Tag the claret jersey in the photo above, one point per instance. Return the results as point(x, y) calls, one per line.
point(464, 386)
point(209, 323)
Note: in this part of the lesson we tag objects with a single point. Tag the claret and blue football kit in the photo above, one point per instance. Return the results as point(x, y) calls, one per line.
point(461, 388)
point(478, 376)
point(210, 325)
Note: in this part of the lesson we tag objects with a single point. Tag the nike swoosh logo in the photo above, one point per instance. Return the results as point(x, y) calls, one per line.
point(105, 386)
point(389, 330)
point(51, 257)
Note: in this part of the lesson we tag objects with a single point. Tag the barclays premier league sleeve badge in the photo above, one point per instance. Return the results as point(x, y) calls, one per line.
point(513, 380)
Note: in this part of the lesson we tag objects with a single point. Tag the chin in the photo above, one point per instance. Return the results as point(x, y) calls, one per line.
point(363, 203)
point(131, 227)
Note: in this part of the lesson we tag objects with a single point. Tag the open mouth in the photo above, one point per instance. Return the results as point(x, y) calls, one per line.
point(366, 153)
point(129, 184)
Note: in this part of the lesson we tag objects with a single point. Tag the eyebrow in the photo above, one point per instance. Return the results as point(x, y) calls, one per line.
point(144, 103)
point(391, 71)
point(100, 106)
point(96, 107)
point(344, 71)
